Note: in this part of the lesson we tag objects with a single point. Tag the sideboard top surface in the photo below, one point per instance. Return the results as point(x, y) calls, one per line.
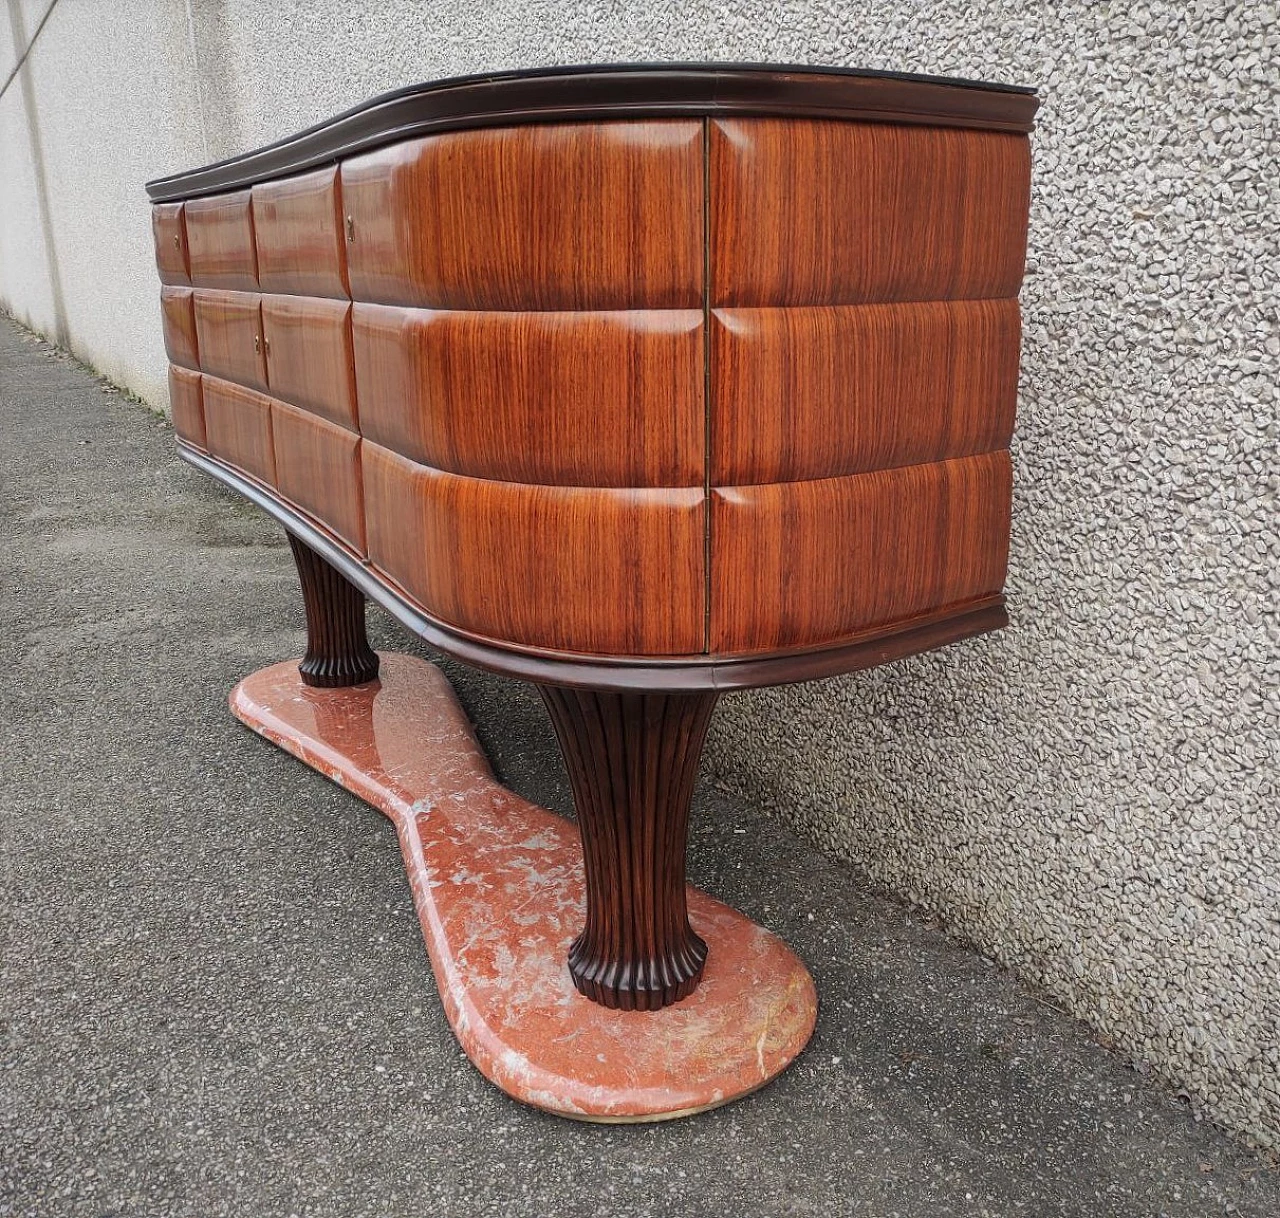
point(618, 91)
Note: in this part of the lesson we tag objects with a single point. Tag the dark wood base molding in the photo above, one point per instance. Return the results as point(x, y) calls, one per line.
point(338, 651)
point(632, 762)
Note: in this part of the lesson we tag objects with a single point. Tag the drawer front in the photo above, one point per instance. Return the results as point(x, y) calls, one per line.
point(220, 242)
point(178, 318)
point(308, 350)
point(186, 405)
point(813, 213)
point(559, 216)
point(229, 329)
point(820, 392)
point(298, 230)
point(806, 563)
point(582, 399)
point(169, 233)
point(571, 568)
point(237, 424)
point(317, 466)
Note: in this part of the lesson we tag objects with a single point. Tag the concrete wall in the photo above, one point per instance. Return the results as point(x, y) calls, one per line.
point(1091, 796)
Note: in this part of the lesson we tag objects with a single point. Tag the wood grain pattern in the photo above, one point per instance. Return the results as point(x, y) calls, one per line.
point(632, 761)
point(297, 225)
point(818, 213)
point(575, 399)
point(318, 468)
point(186, 405)
point(563, 216)
point(820, 392)
point(804, 563)
point(229, 330)
point(169, 234)
point(338, 651)
point(178, 321)
point(580, 569)
point(220, 242)
point(237, 424)
point(308, 351)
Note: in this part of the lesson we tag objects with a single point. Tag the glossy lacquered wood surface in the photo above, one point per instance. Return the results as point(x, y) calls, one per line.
point(793, 562)
point(585, 569)
point(229, 331)
point(564, 216)
point(220, 242)
point(237, 424)
point(178, 318)
point(298, 234)
point(824, 213)
point(317, 465)
point(186, 404)
point(169, 234)
point(574, 399)
point(307, 343)
point(819, 392)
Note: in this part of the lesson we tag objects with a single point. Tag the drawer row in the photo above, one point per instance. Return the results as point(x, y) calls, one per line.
point(623, 570)
point(615, 216)
point(617, 398)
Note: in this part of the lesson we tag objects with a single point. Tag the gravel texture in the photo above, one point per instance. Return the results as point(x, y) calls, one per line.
point(214, 996)
point(1090, 797)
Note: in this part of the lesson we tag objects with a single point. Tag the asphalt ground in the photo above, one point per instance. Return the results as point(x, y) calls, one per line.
point(213, 991)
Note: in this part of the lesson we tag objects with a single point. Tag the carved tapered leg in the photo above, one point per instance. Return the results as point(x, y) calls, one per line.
point(632, 761)
point(338, 651)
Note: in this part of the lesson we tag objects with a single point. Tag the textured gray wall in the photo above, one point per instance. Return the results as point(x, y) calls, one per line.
point(1090, 796)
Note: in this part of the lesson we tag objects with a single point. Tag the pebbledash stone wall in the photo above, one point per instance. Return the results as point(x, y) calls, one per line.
point(1090, 796)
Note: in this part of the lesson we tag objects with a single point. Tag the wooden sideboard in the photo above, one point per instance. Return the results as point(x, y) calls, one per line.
point(640, 383)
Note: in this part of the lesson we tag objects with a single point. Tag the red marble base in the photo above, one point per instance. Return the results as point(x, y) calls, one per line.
point(498, 886)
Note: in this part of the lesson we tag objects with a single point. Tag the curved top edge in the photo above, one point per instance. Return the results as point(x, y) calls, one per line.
point(617, 91)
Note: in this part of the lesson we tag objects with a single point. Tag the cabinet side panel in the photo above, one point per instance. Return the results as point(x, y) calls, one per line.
point(555, 216)
point(307, 343)
point(574, 399)
point(820, 392)
point(318, 468)
point(238, 428)
point(220, 242)
point(609, 571)
point(823, 213)
point(178, 320)
point(807, 563)
point(298, 234)
point(186, 405)
point(169, 233)
point(229, 329)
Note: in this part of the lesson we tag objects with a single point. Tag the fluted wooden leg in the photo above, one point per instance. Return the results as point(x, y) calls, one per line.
point(632, 761)
point(338, 651)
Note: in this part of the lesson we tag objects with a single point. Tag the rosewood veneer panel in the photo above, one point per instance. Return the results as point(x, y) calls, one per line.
point(847, 213)
point(318, 467)
point(229, 329)
point(169, 232)
point(806, 563)
point(220, 242)
point(561, 216)
point(818, 392)
point(237, 424)
point(308, 348)
point(178, 318)
point(186, 405)
point(570, 568)
point(586, 399)
point(297, 226)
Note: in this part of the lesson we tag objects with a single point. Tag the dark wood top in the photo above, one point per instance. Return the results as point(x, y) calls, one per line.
point(618, 91)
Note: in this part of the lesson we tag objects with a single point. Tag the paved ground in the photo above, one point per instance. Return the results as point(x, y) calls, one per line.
point(214, 995)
